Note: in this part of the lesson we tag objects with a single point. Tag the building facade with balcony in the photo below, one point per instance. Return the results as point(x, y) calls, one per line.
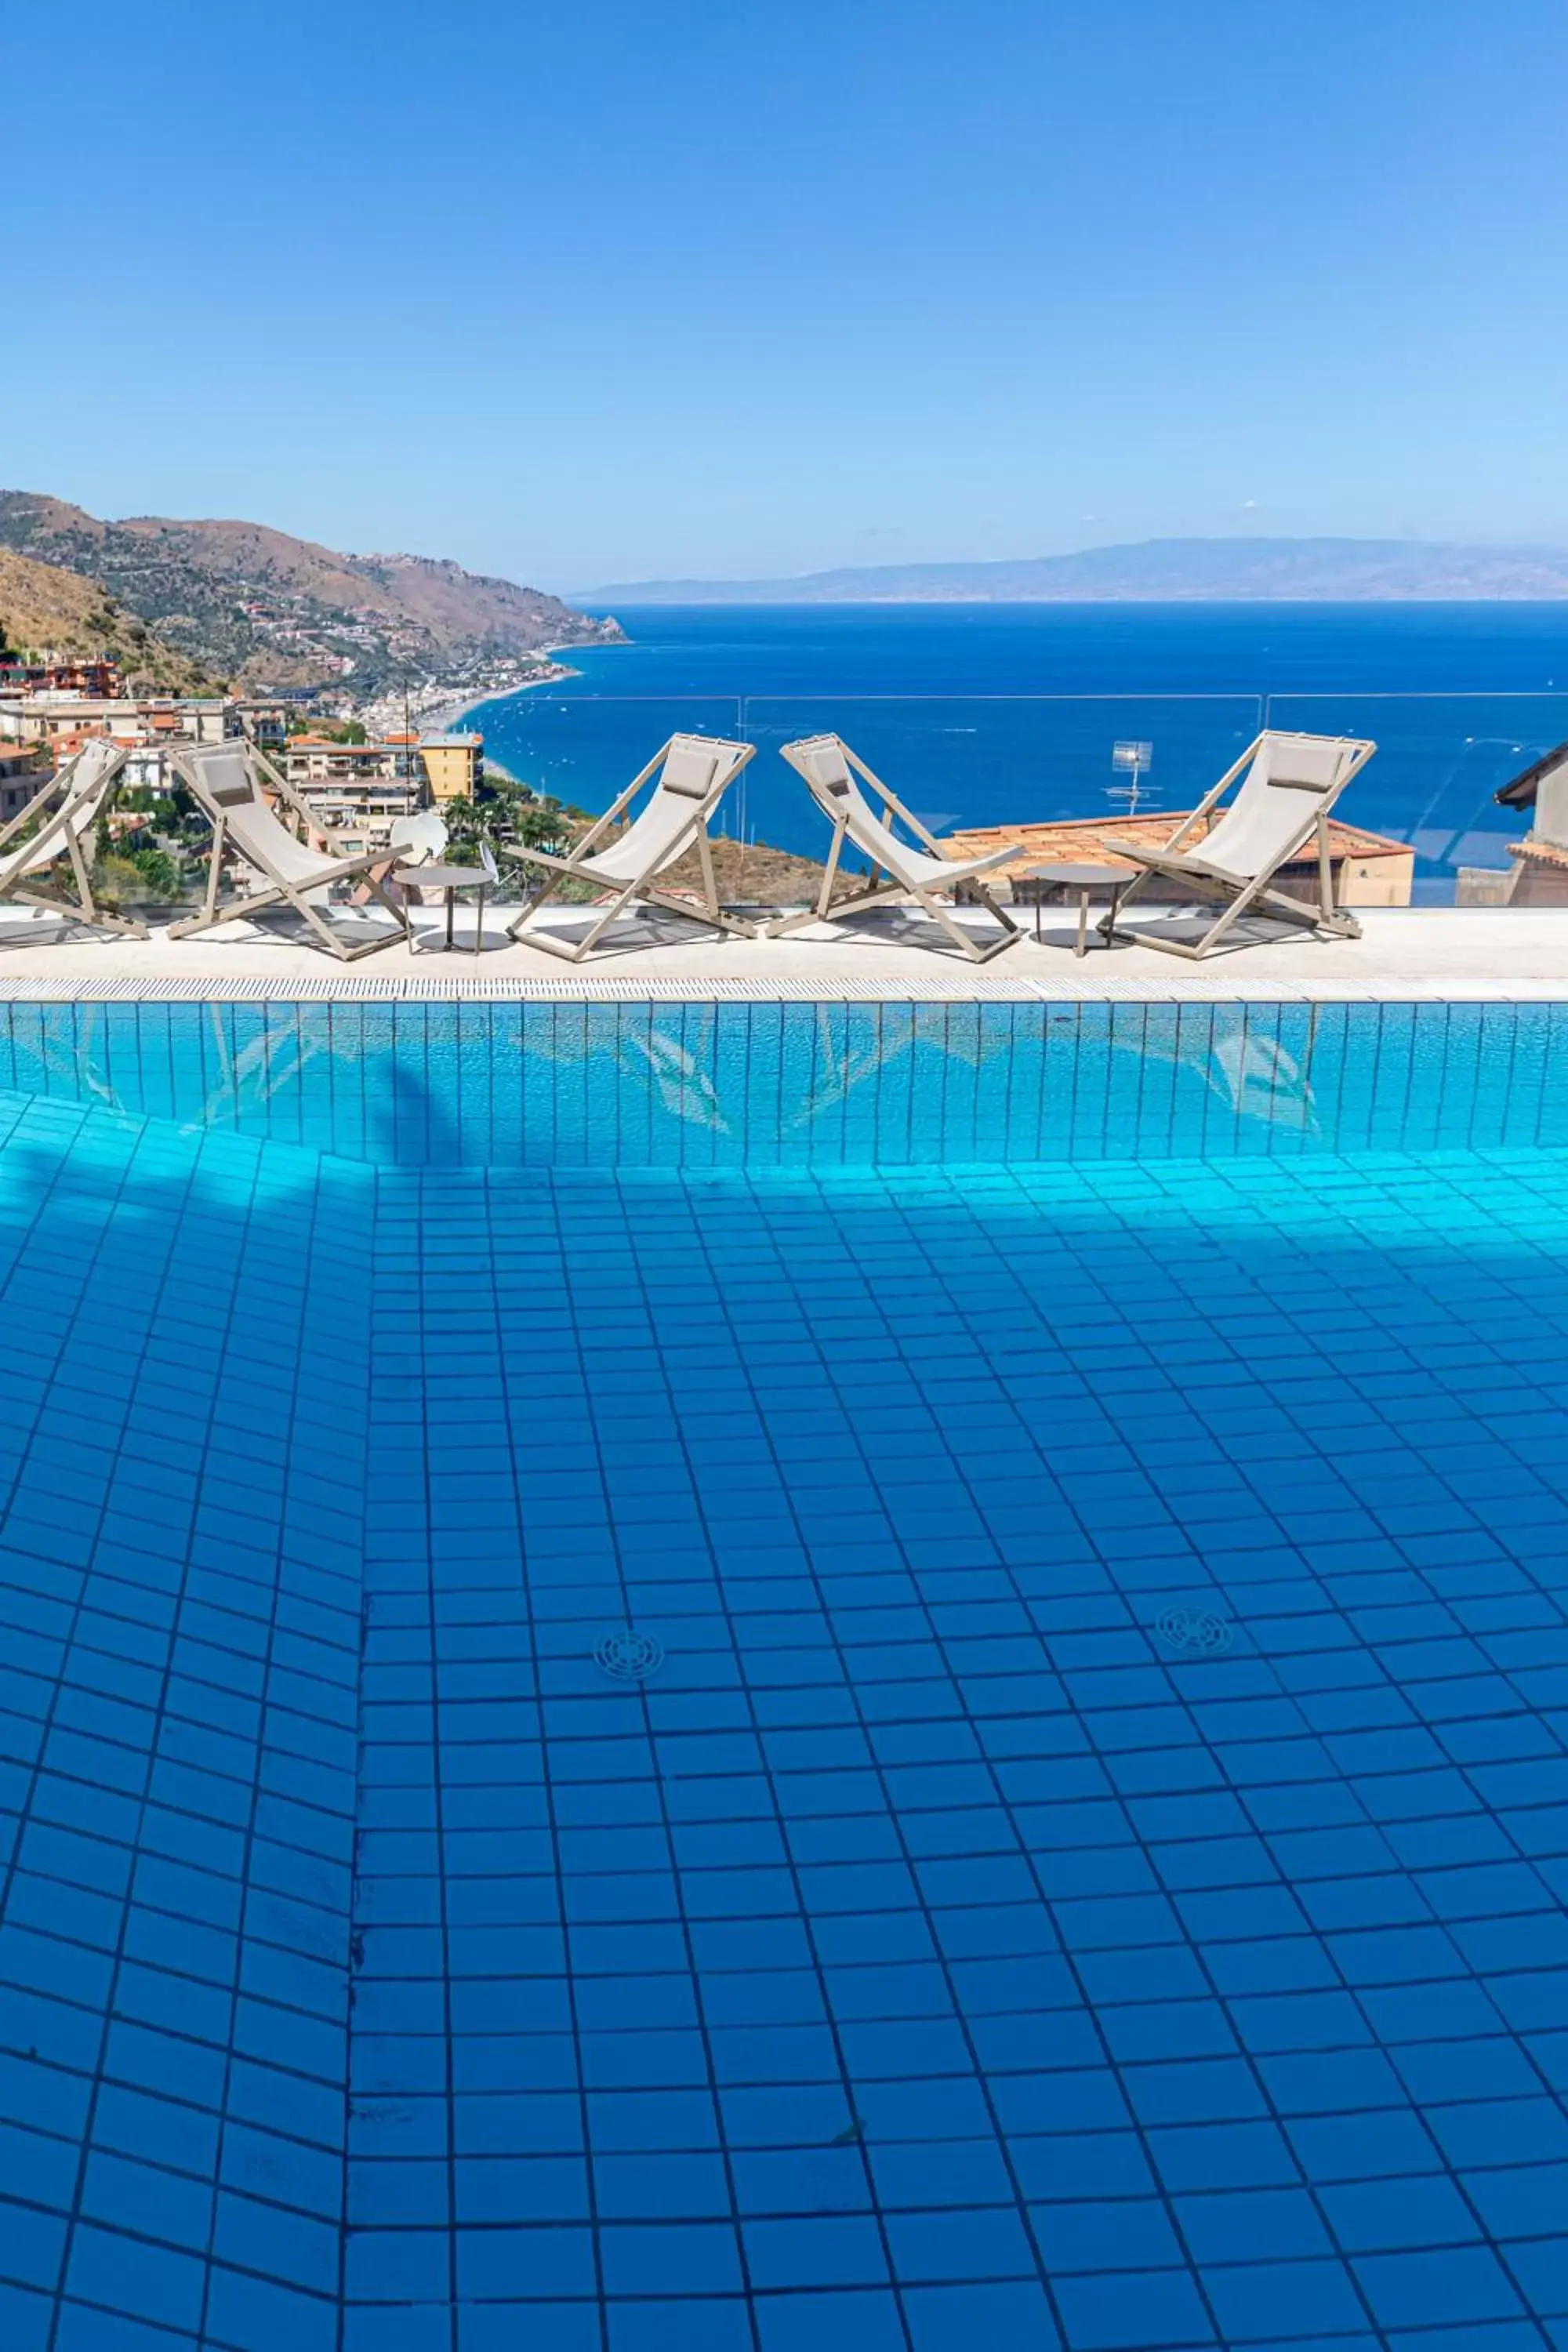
point(46, 673)
point(128, 718)
point(455, 765)
point(358, 790)
point(24, 770)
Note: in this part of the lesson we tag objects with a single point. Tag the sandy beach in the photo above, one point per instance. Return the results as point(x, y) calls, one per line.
point(436, 710)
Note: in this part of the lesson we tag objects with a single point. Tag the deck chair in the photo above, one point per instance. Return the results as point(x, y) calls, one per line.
point(831, 769)
point(81, 791)
point(225, 779)
point(1290, 783)
point(693, 773)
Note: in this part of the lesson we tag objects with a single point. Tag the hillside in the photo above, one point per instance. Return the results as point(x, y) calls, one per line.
point(1157, 571)
point(42, 607)
point(270, 611)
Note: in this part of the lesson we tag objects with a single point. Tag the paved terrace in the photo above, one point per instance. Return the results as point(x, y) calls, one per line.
point(1404, 953)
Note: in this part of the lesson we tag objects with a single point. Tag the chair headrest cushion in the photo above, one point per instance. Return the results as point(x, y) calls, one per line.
point(228, 780)
point(830, 769)
point(688, 772)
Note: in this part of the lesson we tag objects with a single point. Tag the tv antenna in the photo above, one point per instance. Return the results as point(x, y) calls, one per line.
point(1133, 761)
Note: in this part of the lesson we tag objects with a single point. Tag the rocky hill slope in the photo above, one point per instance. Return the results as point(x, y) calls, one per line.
point(44, 609)
point(270, 611)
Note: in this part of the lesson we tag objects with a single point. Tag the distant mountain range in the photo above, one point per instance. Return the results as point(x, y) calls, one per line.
point(1154, 571)
point(253, 605)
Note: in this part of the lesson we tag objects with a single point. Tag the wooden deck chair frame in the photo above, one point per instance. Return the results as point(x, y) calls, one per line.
point(895, 888)
point(1254, 894)
point(370, 867)
point(57, 828)
point(644, 891)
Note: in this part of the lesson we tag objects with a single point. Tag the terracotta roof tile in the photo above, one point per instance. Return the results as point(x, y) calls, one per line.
point(1083, 839)
point(1548, 853)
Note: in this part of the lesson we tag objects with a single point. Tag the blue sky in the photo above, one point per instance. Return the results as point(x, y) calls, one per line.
point(726, 288)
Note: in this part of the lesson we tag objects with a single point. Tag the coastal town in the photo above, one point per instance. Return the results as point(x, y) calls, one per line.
point(358, 779)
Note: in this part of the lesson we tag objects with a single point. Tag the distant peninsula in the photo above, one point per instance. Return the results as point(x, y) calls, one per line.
point(1155, 571)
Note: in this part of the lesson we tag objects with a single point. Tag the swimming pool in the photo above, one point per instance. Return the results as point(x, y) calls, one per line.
point(768, 1719)
point(575, 1084)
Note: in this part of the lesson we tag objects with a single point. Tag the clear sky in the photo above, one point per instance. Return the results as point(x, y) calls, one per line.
point(740, 286)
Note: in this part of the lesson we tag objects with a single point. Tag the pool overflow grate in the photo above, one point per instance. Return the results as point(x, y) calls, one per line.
point(628, 1656)
point(1194, 1633)
point(643, 988)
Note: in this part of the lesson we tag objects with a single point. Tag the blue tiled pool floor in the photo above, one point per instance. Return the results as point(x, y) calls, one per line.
point(1084, 1865)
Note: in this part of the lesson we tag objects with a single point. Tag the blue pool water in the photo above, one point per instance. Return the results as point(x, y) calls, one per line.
point(556, 1085)
point(734, 1758)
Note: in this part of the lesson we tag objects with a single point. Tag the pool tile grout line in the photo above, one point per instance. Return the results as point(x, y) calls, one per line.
point(1173, 2002)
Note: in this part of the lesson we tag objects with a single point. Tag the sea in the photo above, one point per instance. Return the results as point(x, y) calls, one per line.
point(1000, 714)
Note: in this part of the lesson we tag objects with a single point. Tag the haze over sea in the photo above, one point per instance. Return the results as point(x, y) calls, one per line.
point(983, 714)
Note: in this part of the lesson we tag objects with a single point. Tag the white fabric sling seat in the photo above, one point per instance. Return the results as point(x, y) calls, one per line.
point(832, 774)
point(38, 836)
point(690, 775)
point(1289, 783)
point(225, 779)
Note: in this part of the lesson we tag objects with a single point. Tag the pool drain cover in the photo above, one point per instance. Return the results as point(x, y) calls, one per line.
point(628, 1658)
point(1195, 1632)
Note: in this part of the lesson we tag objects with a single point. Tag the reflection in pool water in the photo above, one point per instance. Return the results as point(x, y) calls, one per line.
point(757, 1084)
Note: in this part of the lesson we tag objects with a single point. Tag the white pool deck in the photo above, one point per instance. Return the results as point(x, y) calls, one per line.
point(1494, 954)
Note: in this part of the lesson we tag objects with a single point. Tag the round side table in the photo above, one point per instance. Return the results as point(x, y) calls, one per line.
point(1086, 880)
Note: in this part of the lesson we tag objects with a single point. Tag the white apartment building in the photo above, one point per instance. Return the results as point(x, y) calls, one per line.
point(358, 790)
point(128, 718)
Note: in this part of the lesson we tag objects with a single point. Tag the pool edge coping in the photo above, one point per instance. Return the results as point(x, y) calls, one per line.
point(956, 988)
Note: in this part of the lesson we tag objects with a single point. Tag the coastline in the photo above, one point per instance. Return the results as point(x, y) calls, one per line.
point(450, 716)
point(445, 713)
point(1011, 716)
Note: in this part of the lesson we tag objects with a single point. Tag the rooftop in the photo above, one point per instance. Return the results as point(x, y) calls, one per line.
point(1087, 838)
point(346, 750)
point(1521, 791)
point(1548, 853)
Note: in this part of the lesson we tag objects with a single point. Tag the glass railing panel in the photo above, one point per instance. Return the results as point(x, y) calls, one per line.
point(1440, 762)
point(584, 748)
point(967, 761)
point(961, 761)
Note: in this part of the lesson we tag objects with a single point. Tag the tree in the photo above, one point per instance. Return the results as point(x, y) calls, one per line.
point(470, 822)
point(542, 823)
point(509, 814)
point(159, 873)
point(137, 874)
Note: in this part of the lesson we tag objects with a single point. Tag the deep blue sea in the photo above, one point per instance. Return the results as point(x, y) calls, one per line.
point(981, 714)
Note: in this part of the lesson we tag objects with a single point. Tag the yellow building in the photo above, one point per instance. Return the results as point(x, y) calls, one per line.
point(455, 765)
